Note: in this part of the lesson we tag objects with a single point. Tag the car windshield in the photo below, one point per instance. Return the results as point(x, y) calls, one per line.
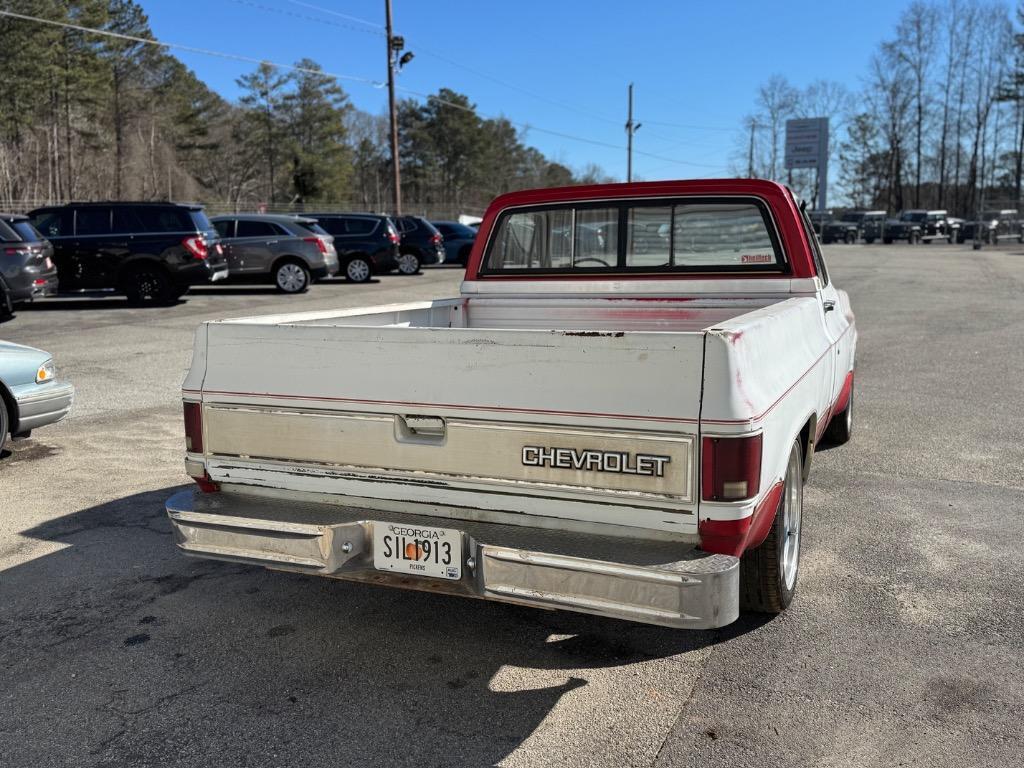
point(991, 215)
point(26, 230)
point(853, 216)
point(914, 216)
point(675, 235)
point(312, 226)
point(201, 221)
point(8, 235)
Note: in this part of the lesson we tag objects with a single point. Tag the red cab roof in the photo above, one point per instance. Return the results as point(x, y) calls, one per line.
point(783, 207)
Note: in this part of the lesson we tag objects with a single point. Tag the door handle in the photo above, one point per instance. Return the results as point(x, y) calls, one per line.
point(421, 429)
point(829, 305)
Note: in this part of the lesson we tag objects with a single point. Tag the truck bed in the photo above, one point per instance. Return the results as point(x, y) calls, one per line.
point(677, 315)
point(432, 403)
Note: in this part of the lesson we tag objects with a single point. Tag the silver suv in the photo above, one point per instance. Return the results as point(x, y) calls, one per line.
point(290, 250)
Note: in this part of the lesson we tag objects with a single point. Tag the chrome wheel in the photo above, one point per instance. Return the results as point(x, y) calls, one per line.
point(408, 264)
point(291, 278)
point(792, 512)
point(358, 271)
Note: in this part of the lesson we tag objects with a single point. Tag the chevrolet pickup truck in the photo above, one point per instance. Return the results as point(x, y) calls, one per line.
point(615, 416)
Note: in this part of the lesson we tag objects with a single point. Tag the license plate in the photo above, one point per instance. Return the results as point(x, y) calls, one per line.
point(414, 549)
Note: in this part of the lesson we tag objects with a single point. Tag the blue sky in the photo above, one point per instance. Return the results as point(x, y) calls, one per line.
point(563, 65)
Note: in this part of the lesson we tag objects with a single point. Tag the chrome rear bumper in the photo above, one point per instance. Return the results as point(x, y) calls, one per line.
point(665, 583)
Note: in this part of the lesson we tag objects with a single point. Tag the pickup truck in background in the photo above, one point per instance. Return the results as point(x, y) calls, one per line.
point(616, 416)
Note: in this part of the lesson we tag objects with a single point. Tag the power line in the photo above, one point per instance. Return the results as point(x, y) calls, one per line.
point(440, 57)
point(336, 76)
point(531, 127)
point(693, 127)
point(189, 48)
point(336, 13)
point(307, 17)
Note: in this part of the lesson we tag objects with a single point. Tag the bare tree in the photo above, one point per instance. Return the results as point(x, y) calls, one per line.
point(776, 101)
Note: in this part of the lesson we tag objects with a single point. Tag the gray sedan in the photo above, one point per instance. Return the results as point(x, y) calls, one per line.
point(292, 251)
point(31, 395)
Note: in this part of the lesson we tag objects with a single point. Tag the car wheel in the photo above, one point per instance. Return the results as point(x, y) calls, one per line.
point(291, 276)
point(768, 573)
point(887, 240)
point(6, 304)
point(149, 284)
point(408, 263)
point(4, 426)
point(357, 270)
point(840, 428)
point(869, 240)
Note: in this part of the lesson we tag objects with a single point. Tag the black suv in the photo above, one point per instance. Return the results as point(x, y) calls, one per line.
point(367, 243)
point(422, 243)
point(151, 252)
point(916, 226)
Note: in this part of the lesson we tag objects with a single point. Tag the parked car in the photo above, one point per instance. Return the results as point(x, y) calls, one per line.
point(819, 219)
point(519, 442)
point(458, 241)
point(27, 270)
point(151, 252)
point(290, 251)
point(993, 226)
point(848, 228)
point(917, 226)
point(367, 244)
point(421, 244)
point(873, 225)
point(31, 394)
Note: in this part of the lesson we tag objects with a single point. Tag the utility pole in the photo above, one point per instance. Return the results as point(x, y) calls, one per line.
point(631, 128)
point(394, 45)
point(750, 152)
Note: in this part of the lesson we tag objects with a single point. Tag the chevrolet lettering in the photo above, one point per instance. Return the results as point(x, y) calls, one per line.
point(663, 357)
point(619, 462)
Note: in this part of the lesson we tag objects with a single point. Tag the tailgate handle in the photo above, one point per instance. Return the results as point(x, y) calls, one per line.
point(421, 429)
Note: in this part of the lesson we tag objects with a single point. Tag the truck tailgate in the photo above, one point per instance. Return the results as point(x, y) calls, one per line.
point(588, 425)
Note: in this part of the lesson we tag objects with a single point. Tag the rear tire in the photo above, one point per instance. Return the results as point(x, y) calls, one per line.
point(768, 574)
point(869, 240)
point(149, 285)
point(6, 305)
point(408, 264)
point(357, 270)
point(4, 426)
point(840, 428)
point(291, 276)
point(887, 240)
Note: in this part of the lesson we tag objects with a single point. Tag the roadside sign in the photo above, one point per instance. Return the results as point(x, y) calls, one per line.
point(807, 147)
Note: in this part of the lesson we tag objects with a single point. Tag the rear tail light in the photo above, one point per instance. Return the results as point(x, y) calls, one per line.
point(193, 427)
point(196, 246)
point(17, 251)
point(394, 238)
point(730, 468)
point(320, 244)
point(436, 239)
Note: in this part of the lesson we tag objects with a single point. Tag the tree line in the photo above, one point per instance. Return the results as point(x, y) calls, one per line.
point(937, 123)
point(90, 117)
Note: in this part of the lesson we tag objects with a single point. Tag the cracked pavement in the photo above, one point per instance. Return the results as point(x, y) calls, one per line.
point(903, 646)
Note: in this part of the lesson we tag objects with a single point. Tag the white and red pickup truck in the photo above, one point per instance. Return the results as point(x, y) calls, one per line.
point(616, 416)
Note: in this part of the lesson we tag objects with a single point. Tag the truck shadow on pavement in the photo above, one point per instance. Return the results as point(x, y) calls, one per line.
point(118, 649)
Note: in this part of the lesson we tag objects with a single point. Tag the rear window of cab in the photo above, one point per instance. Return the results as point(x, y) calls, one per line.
point(678, 235)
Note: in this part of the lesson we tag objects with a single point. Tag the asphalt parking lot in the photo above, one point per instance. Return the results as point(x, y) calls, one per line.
point(903, 647)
